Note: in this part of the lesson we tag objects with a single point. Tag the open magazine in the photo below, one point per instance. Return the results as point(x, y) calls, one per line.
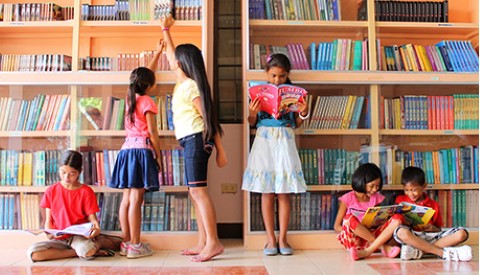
point(83, 229)
point(417, 215)
point(278, 100)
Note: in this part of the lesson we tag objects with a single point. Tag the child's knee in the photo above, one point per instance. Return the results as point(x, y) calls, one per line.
point(461, 235)
point(403, 234)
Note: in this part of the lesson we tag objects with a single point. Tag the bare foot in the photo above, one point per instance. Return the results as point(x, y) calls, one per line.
point(192, 251)
point(208, 253)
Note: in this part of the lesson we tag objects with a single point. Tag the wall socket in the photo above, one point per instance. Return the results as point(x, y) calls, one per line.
point(229, 188)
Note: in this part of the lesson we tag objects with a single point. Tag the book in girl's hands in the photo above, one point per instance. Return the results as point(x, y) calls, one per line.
point(83, 229)
point(278, 100)
point(417, 216)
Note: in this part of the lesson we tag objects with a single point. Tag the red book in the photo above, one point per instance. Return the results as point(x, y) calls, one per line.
point(278, 100)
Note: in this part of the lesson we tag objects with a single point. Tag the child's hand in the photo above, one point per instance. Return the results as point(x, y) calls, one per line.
point(49, 236)
point(254, 107)
point(166, 22)
point(160, 46)
point(302, 108)
point(221, 158)
point(95, 231)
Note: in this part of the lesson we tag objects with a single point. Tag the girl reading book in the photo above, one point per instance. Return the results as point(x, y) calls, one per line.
point(274, 167)
point(356, 237)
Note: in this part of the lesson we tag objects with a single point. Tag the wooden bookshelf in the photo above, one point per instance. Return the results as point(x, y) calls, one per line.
point(79, 39)
point(462, 25)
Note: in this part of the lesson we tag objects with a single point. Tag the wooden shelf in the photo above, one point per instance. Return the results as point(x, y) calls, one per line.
point(347, 187)
point(308, 26)
point(333, 132)
point(77, 78)
point(390, 132)
point(423, 28)
point(137, 28)
point(49, 28)
point(372, 77)
point(35, 134)
point(97, 189)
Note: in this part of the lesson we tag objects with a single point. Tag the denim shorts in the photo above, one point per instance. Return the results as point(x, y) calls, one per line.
point(196, 153)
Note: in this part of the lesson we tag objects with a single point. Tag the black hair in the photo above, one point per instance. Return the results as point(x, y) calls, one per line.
point(279, 60)
point(413, 175)
point(73, 159)
point(141, 79)
point(191, 63)
point(364, 174)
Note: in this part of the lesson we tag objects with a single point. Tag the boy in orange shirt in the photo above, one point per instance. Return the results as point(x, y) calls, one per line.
point(430, 239)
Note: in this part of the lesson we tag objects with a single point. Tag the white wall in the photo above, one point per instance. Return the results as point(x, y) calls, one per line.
point(228, 206)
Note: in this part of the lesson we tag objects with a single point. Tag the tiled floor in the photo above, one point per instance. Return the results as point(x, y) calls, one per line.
point(236, 260)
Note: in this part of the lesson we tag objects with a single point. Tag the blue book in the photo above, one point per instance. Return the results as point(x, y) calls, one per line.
point(268, 9)
point(169, 112)
point(472, 53)
point(328, 56)
point(319, 65)
point(11, 211)
point(475, 164)
point(357, 112)
point(445, 57)
point(336, 10)
point(2, 210)
point(457, 67)
point(61, 109)
point(458, 55)
point(313, 56)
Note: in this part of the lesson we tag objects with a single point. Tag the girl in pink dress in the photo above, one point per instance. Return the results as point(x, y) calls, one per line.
point(356, 237)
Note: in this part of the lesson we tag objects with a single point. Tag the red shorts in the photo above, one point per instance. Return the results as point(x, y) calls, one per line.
point(349, 239)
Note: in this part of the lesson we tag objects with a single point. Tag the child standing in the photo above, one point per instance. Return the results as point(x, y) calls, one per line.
point(429, 239)
point(274, 166)
point(198, 131)
point(68, 203)
point(138, 162)
point(358, 239)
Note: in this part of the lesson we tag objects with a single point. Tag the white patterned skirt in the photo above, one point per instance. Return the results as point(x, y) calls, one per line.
point(273, 164)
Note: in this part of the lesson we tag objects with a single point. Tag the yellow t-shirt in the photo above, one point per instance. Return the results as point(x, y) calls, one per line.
point(186, 118)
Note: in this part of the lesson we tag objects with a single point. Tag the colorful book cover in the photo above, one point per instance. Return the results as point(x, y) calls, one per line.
point(417, 215)
point(278, 100)
point(83, 229)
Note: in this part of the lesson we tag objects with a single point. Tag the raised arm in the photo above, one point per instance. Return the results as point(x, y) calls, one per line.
point(166, 23)
point(158, 51)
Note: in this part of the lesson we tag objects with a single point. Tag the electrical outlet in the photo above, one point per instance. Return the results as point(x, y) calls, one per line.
point(229, 188)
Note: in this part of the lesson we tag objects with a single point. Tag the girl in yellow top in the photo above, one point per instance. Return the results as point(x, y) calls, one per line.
point(198, 131)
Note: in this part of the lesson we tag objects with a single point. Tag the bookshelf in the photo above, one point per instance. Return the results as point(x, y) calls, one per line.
point(79, 39)
point(370, 82)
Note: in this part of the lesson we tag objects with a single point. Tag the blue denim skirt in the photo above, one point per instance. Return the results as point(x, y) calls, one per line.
point(135, 168)
point(196, 154)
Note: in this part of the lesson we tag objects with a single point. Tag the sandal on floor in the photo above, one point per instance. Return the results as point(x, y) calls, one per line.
point(393, 252)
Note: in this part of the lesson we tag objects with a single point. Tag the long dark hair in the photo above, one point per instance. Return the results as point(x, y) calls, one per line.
point(73, 159)
point(364, 174)
point(279, 60)
point(140, 80)
point(191, 63)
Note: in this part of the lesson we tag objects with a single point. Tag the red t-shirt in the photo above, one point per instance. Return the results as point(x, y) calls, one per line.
point(428, 202)
point(69, 207)
point(143, 105)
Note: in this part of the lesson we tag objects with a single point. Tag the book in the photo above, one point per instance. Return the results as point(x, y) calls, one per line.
point(83, 229)
point(278, 100)
point(417, 215)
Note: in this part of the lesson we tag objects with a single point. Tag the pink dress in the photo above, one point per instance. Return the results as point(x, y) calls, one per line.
point(350, 222)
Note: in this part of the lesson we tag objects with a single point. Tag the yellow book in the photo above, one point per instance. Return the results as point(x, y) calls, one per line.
point(346, 114)
point(27, 168)
point(411, 57)
point(417, 216)
point(426, 61)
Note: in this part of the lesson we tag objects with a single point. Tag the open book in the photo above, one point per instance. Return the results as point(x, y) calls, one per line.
point(416, 215)
point(278, 100)
point(83, 229)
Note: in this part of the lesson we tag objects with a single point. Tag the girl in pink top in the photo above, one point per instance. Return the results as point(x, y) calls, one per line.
point(358, 239)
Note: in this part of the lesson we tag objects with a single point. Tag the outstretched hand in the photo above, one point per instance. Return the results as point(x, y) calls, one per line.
point(161, 45)
point(166, 21)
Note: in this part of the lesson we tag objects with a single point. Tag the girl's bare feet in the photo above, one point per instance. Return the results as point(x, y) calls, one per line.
point(192, 251)
point(208, 253)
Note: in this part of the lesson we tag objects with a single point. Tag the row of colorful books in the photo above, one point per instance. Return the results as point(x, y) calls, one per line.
point(123, 62)
point(119, 11)
point(443, 166)
point(179, 9)
point(458, 111)
point(324, 10)
point(294, 51)
point(411, 11)
point(160, 212)
point(109, 114)
point(317, 210)
point(42, 113)
point(341, 54)
point(350, 112)
point(19, 12)
point(309, 211)
point(447, 55)
point(99, 164)
point(328, 166)
point(40, 168)
point(35, 62)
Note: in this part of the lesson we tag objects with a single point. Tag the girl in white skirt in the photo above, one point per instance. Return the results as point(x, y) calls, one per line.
point(274, 166)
